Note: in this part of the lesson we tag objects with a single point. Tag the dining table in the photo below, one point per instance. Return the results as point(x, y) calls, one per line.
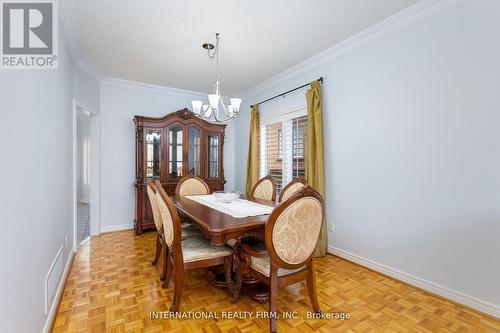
point(220, 227)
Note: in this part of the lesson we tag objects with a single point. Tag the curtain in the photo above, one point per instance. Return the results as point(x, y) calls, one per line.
point(253, 150)
point(314, 166)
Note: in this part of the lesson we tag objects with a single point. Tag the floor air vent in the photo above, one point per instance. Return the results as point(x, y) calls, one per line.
point(53, 278)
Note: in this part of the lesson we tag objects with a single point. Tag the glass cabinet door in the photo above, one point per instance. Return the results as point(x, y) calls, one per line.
point(213, 155)
point(175, 151)
point(153, 153)
point(194, 151)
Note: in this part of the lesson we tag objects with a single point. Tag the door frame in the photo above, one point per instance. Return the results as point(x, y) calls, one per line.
point(95, 181)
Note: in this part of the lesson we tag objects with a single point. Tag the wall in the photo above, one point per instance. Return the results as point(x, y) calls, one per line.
point(36, 176)
point(86, 90)
point(412, 144)
point(120, 101)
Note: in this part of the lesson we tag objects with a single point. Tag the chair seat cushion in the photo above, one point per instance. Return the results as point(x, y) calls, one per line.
point(199, 248)
point(189, 230)
point(263, 265)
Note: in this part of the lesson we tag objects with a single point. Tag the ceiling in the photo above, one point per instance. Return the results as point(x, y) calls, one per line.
point(159, 41)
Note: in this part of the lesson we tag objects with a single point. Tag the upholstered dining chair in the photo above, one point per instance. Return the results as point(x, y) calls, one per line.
point(291, 188)
point(191, 186)
point(188, 231)
point(291, 234)
point(264, 189)
point(187, 254)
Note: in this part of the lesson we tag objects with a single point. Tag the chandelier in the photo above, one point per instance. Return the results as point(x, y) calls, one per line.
point(216, 109)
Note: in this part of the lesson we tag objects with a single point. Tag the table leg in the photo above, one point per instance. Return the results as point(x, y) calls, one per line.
point(254, 288)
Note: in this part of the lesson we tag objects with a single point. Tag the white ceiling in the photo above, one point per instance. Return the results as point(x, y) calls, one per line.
point(159, 41)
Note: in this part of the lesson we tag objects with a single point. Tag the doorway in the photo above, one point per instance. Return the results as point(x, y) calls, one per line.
point(84, 152)
point(85, 174)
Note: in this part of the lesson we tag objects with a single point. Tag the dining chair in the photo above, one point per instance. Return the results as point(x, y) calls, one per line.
point(188, 231)
point(264, 189)
point(291, 234)
point(191, 186)
point(188, 254)
point(156, 219)
point(291, 188)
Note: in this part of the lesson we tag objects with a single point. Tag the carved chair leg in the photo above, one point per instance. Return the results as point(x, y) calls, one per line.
point(165, 263)
point(178, 286)
point(273, 295)
point(158, 250)
point(311, 289)
point(170, 272)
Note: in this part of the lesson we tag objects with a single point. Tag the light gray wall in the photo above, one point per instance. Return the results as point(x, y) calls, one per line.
point(86, 90)
point(119, 104)
point(36, 177)
point(412, 148)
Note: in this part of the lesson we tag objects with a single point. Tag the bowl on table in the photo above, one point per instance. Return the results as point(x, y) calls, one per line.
point(226, 197)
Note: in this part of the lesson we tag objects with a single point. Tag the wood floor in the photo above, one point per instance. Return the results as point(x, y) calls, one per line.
point(112, 287)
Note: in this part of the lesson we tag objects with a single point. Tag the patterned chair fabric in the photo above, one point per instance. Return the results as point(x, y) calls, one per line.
point(291, 190)
point(296, 230)
point(263, 190)
point(154, 208)
point(166, 217)
point(199, 248)
point(192, 186)
point(189, 231)
point(263, 265)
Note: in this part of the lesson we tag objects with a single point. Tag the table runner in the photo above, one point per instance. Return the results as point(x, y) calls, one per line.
point(239, 208)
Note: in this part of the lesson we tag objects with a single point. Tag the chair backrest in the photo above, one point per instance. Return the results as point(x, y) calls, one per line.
point(291, 188)
point(264, 189)
point(170, 218)
point(293, 228)
point(191, 186)
point(151, 188)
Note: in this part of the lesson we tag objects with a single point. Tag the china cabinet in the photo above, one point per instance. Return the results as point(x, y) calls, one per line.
point(171, 147)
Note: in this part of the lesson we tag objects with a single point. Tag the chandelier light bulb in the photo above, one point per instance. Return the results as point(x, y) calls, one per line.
point(213, 99)
point(236, 102)
point(196, 106)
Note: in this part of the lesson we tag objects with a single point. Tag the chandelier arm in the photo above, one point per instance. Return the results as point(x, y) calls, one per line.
point(224, 107)
point(213, 113)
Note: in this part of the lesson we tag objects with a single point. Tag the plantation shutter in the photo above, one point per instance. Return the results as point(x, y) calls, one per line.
point(282, 147)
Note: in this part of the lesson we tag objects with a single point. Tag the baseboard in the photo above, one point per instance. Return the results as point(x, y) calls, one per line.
point(456, 296)
point(57, 299)
point(117, 227)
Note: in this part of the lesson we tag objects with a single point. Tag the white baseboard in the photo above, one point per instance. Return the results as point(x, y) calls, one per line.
point(456, 296)
point(117, 227)
point(57, 298)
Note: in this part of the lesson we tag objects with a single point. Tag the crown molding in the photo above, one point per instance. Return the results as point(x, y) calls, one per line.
point(392, 24)
point(71, 33)
point(147, 87)
point(405, 18)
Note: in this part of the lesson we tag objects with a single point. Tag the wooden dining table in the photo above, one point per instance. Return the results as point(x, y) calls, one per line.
point(219, 227)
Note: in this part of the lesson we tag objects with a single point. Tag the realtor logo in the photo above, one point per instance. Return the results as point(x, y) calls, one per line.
point(29, 34)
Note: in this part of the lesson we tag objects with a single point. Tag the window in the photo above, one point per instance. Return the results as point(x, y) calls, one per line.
point(86, 161)
point(283, 142)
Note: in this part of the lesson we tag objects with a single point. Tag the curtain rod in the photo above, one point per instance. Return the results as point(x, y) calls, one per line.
point(287, 92)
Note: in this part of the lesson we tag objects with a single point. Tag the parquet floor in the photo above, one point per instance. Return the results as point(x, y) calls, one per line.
point(112, 287)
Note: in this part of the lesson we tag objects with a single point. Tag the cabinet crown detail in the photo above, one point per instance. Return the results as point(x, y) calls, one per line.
point(171, 147)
